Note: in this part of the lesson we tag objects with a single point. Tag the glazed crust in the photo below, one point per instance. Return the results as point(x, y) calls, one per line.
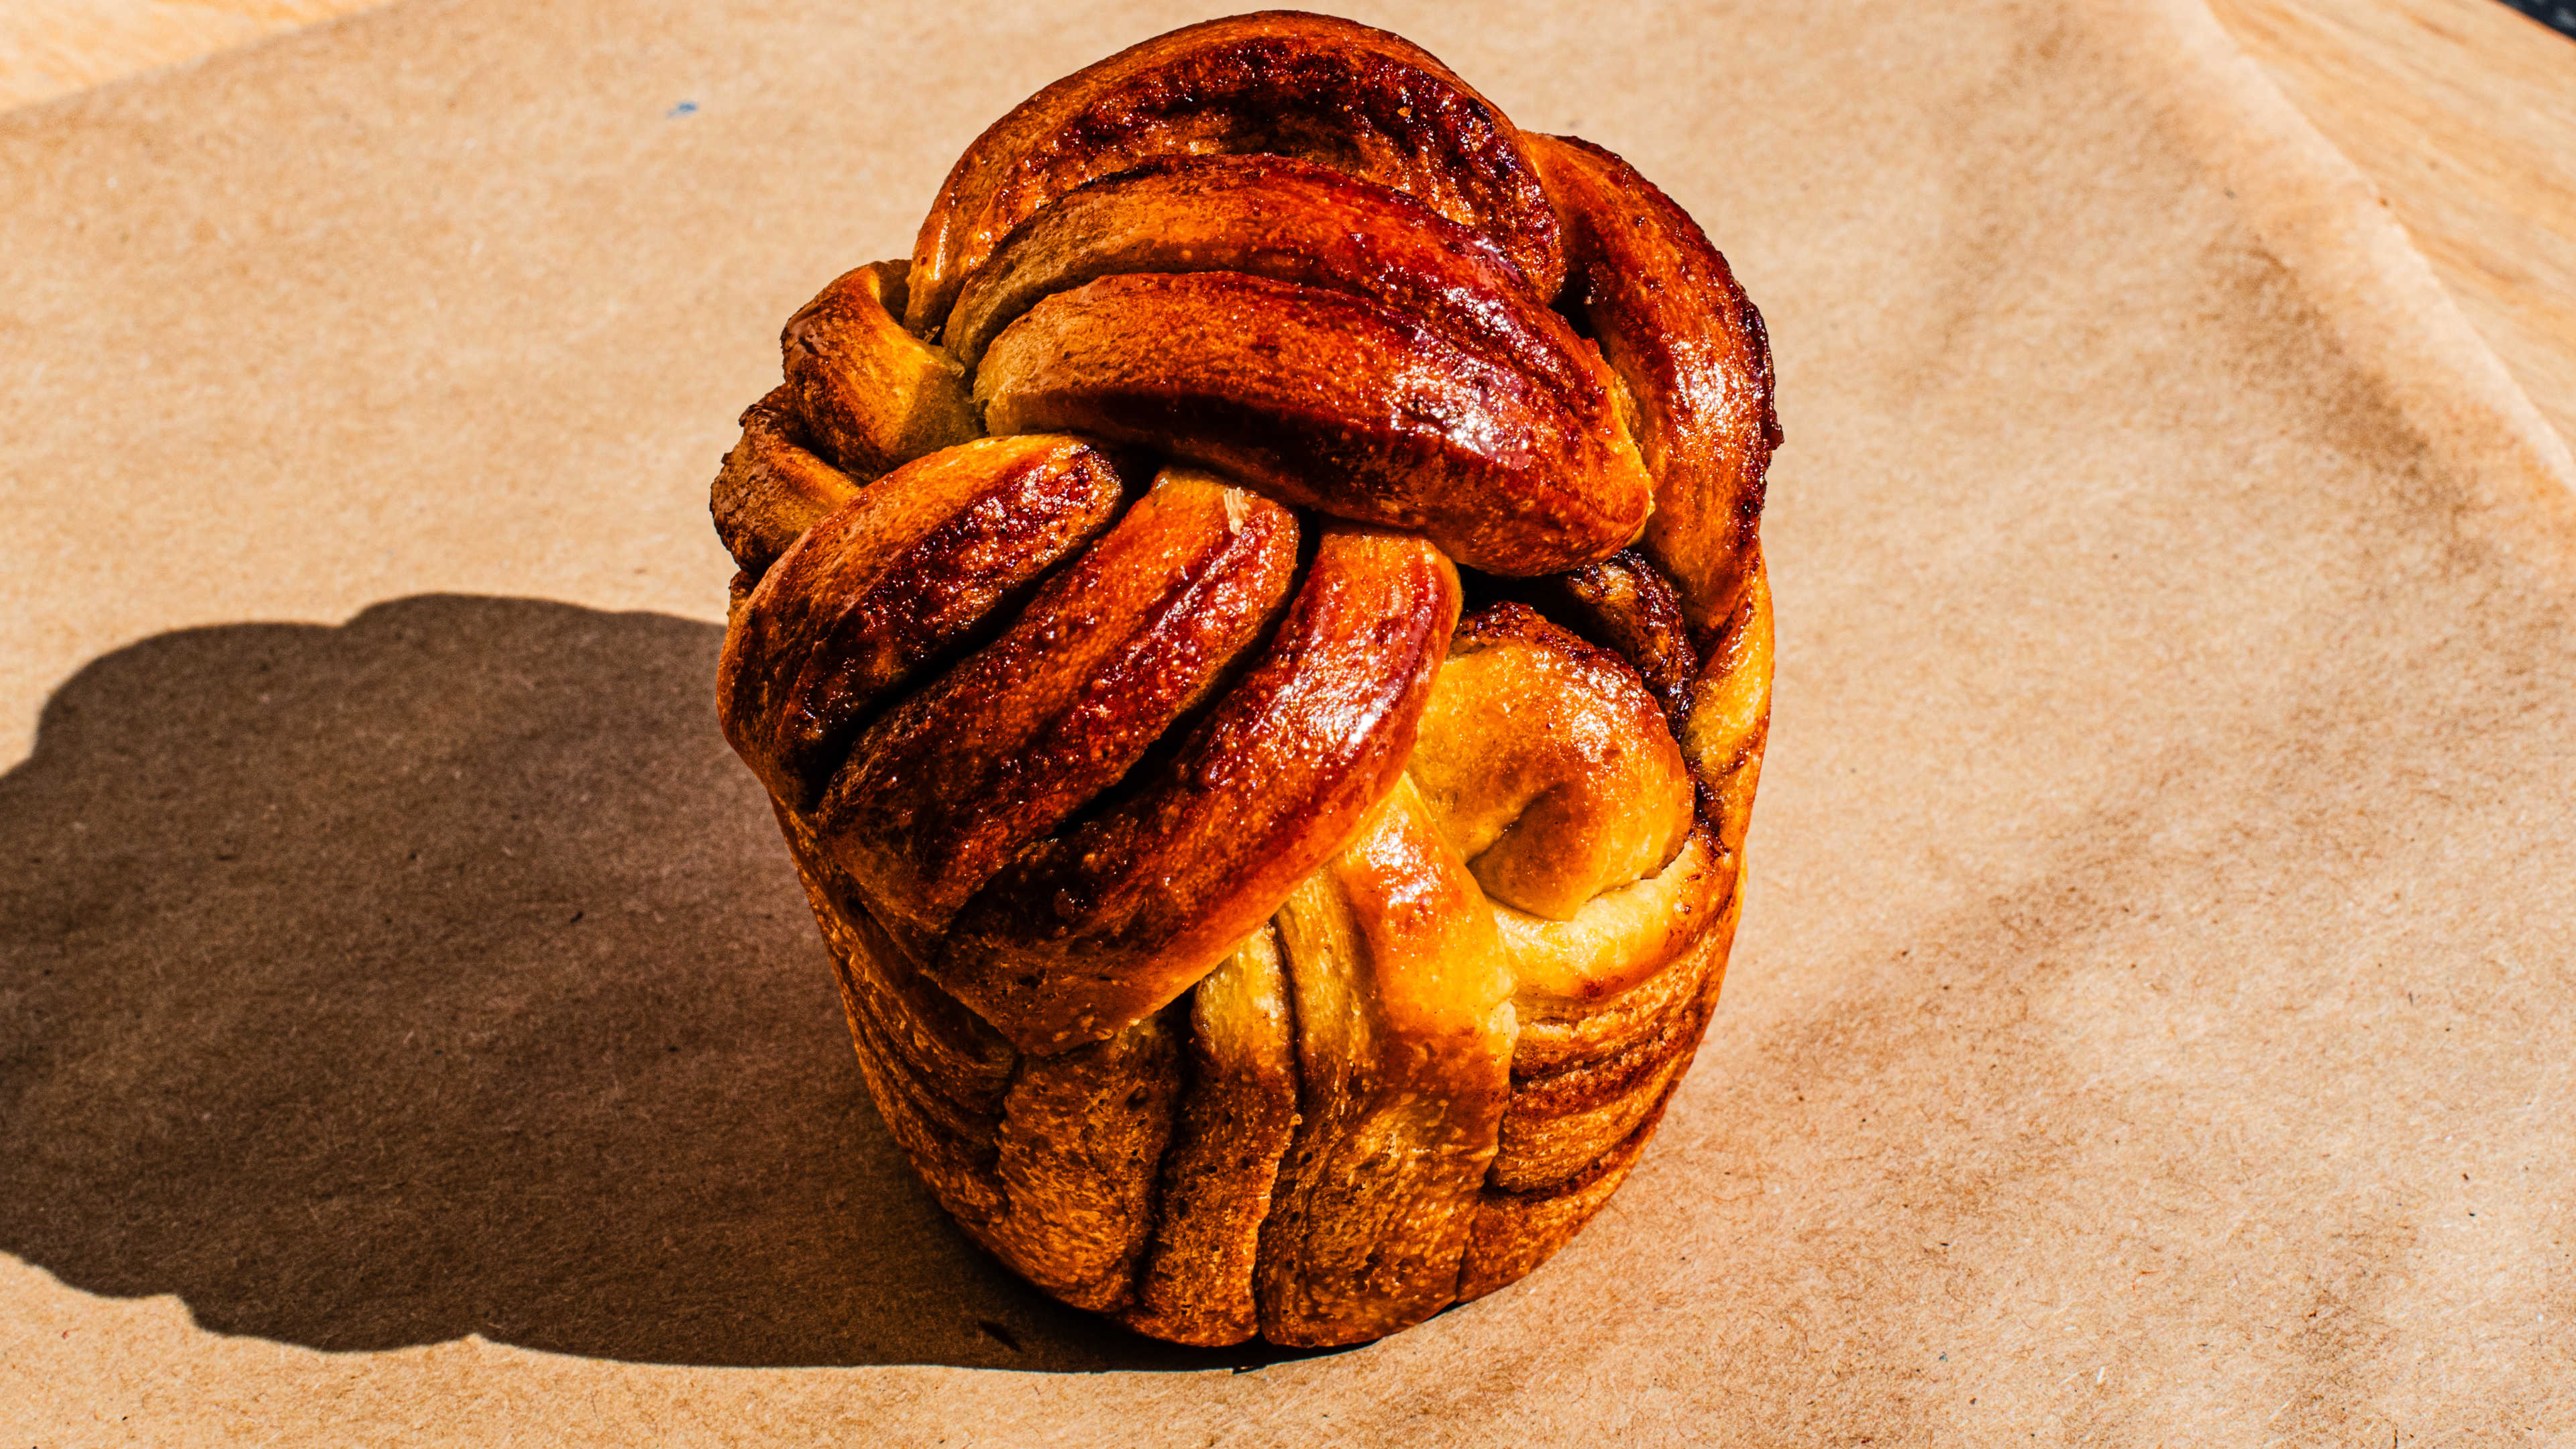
point(1235, 1123)
point(1404, 1043)
point(887, 587)
point(1239, 934)
point(1276, 83)
point(871, 396)
point(947, 788)
point(1694, 353)
point(1088, 932)
point(1549, 765)
point(1288, 220)
point(772, 487)
point(1331, 401)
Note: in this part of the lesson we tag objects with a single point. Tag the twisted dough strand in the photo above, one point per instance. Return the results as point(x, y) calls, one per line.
point(1257, 640)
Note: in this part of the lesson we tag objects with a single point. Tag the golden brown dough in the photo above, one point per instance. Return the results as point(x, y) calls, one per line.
point(1089, 931)
point(871, 395)
point(1236, 940)
point(1236, 1118)
point(1332, 401)
point(772, 487)
point(945, 789)
point(1695, 356)
point(888, 586)
point(1404, 1043)
point(1288, 220)
point(1277, 83)
point(1549, 766)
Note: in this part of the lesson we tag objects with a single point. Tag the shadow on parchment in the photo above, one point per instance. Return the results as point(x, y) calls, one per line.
point(442, 973)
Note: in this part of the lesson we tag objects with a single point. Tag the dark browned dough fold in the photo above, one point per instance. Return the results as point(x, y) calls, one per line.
point(1309, 86)
point(1332, 401)
point(1671, 319)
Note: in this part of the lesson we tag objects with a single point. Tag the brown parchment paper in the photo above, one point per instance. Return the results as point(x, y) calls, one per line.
point(2152, 1019)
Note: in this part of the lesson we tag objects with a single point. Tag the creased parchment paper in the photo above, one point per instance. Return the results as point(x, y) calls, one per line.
point(2152, 1020)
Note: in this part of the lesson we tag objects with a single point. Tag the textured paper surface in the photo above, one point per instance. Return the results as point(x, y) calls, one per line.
point(2151, 1019)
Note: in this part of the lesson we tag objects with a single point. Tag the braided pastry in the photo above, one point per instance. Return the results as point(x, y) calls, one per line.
point(1236, 939)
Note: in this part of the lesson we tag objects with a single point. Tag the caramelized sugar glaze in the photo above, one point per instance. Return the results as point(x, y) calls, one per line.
point(1238, 940)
